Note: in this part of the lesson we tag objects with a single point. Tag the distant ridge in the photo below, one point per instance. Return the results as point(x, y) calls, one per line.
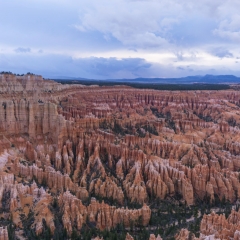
point(211, 79)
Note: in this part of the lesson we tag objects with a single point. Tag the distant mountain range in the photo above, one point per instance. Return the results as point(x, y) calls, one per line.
point(211, 79)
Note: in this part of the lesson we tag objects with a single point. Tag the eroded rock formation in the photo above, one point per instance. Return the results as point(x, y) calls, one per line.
point(98, 153)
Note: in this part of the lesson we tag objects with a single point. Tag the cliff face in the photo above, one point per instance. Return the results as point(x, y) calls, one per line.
point(103, 154)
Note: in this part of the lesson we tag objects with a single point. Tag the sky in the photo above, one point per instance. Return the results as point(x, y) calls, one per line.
point(110, 39)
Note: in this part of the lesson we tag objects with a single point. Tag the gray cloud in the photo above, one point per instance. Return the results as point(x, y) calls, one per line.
point(222, 52)
point(55, 65)
point(22, 50)
point(112, 67)
point(179, 56)
point(60, 65)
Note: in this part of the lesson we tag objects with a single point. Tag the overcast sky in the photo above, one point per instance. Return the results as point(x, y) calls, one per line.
point(102, 39)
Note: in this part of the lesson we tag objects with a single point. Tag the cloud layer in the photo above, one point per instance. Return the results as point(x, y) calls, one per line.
point(120, 38)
